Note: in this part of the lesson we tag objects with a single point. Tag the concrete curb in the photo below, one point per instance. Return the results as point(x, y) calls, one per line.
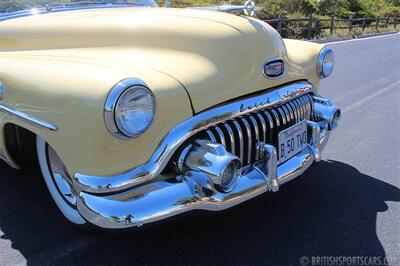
point(350, 38)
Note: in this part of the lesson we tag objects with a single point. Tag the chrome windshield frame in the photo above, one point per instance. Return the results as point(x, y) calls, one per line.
point(70, 7)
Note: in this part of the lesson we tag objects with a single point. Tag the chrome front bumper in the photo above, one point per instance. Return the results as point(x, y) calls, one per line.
point(162, 199)
point(141, 195)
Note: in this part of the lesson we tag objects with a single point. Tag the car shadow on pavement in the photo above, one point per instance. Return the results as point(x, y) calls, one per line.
point(330, 211)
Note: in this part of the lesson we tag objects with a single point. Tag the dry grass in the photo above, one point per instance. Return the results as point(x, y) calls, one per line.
point(356, 31)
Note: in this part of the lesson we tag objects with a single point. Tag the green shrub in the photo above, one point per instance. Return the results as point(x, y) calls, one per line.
point(338, 8)
point(389, 11)
point(187, 3)
point(309, 6)
point(272, 8)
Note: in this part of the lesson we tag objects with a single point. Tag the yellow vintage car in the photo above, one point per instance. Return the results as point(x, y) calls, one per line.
point(139, 113)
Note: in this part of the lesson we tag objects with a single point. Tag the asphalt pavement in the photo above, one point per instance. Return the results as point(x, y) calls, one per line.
point(347, 205)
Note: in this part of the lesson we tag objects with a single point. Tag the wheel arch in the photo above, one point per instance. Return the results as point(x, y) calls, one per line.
point(20, 145)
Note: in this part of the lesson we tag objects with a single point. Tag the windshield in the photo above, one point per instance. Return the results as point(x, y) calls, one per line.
point(8, 6)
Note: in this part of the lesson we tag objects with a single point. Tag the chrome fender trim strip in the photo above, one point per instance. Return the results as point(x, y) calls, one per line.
point(34, 121)
point(170, 143)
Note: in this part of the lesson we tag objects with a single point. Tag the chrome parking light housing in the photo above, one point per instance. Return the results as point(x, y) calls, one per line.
point(221, 169)
point(274, 68)
point(325, 62)
point(122, 127)
point(326, 112)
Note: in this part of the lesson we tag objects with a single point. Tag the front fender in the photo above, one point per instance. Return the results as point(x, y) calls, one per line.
point(303, 57)
point(70, 94)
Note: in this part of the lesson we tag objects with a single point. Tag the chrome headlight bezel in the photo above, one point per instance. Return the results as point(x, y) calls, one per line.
point(111, 104)
point(321, 65)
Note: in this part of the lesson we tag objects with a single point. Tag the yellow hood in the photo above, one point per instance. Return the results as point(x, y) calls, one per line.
point(215, 56)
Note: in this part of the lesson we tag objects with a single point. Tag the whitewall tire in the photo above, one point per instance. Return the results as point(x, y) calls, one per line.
point(58, 181)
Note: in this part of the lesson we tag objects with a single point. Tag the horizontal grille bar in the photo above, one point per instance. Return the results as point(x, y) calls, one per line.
point(241, 135)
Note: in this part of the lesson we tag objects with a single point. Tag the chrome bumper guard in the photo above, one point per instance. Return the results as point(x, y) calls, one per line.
point(162, 199)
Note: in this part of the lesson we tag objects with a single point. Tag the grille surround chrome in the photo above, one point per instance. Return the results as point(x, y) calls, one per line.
point(99, 184)
point(262, 125)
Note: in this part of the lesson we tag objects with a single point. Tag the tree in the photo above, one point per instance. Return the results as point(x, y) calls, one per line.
point(338, 8)
point(393, 2)
point(309, 6)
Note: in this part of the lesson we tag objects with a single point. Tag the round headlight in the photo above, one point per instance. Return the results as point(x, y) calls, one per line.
point(129, 109)
point(134, 111)
point(326, 63)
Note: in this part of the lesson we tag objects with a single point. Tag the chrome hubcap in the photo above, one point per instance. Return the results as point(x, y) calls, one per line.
point(61, 178)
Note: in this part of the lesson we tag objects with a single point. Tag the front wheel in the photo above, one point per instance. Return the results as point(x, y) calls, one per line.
point(58, 181)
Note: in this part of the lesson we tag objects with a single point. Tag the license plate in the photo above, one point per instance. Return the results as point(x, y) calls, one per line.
point(292, 140)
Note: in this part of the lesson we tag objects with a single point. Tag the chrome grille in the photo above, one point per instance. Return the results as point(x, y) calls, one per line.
point(241, 134)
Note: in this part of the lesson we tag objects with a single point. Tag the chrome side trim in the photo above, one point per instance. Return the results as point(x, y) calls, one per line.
point(34, 121)
point(170, 143)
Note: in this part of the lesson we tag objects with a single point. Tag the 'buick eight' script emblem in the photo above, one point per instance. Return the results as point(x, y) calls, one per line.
point(254, 106)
